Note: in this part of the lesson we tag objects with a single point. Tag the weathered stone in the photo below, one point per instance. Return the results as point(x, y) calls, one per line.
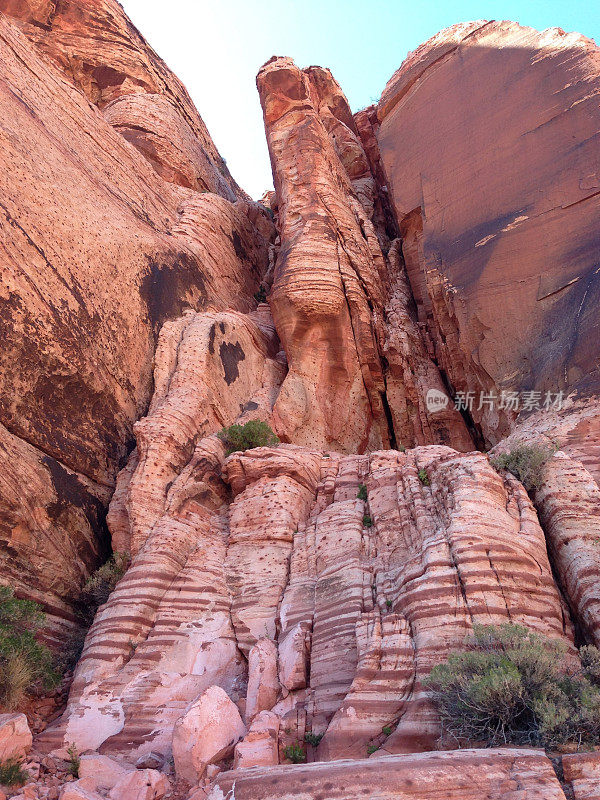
point(488, 137)
point(207, 733)
point(582, 772)
point(15, 736)
point(259, 747)
point(141, 784)
point(105, 772)
point(504, 774)
point(263, 681)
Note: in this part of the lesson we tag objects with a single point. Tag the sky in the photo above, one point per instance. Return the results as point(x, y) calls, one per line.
point(216, 49)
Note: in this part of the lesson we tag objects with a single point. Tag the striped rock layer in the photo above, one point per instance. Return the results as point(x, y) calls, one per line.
point(361, 597)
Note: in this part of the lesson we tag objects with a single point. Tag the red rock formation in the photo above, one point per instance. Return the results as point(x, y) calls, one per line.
point(488, 137)
point(464, 775)
point(362, 597)
point(102, 54)
point(330, 282)
point(582, 772)
point(97, 251)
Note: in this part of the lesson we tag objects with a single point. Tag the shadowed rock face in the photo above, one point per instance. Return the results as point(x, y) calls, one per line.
point(489, 139)
point(97, 251)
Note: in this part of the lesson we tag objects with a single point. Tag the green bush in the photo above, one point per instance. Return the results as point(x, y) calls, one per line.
point(367, 521)
point(388, 604)
point(424, 477)
point(245, 437)
point(526, 462)
point(372, 748)
point(295, 753)
point(12, 773)
point(387, 731)
point(513, 686)
point(74, 761)
point(314, 739)
point(25, 663)
point(99, 586)
point(362, 492)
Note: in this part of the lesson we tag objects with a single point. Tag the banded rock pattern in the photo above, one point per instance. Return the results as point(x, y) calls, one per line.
point(331, 281)
point(361, 598)
point(462, 775)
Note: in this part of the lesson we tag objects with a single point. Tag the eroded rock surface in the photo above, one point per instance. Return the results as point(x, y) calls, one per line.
point(508, 297)
point(97, 252)
point(463, 775)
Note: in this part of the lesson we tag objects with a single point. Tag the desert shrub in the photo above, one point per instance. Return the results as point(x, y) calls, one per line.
point(12, 773)
point(372, 748)
point(386, 730)
point(513, 686)
point(362, 492)
point(25, 663)
point(74, 762)
point(99, 586)
point(367, 521)
point(245, 437)
point(388, 604)
point(261, 295)
point(424, 477)
point(526, 462)
point(295, 753)
point(314, 739)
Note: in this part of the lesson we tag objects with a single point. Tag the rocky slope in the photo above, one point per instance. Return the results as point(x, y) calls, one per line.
point(300, 592)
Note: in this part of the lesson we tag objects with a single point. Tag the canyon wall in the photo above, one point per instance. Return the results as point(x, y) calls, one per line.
point(298, 595)
point(99, 247)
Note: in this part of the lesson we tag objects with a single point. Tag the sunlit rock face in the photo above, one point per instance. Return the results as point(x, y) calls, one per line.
point(296, 596)
point(489, 137)
point(341, 308)
point(270, 578)
point(98, 250)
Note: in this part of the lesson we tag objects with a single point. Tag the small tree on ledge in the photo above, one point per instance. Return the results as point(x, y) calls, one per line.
point(246, 437)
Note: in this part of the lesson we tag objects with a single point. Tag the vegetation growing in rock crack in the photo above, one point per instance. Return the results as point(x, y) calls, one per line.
point(372, 748)
point(367, 521)
point(514, 686)
point(261, 295)
point(424, 477)
point(386, 730)
point(245, 437)
point(74, 761)
point(25, 664)
point(313, 739)
point(12, 773)
point(100, 584)
point(526, 462)
point(362, 492)
point(295, 753)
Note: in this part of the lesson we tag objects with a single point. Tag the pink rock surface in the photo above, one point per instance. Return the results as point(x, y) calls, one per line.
point(259, 747)
point(206, 734)
point(504, 774)
point(105, 772)
point(582, 772)
point(15, 736)
point(141, 784)
point(263, 681)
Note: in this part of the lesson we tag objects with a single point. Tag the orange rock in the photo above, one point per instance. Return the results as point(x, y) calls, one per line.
point(582, 771)
point(15, 736)
point(488, 139)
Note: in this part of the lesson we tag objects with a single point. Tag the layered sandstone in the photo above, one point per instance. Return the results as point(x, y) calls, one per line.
point(97, 252)
point(332, 282)
point(488, 137)
point(341, 605)
point(464, 775)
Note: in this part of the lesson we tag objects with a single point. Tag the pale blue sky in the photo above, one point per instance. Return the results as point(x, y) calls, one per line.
point(217, 47)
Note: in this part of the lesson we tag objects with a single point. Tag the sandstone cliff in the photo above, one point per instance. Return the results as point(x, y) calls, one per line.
point(299, 595)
